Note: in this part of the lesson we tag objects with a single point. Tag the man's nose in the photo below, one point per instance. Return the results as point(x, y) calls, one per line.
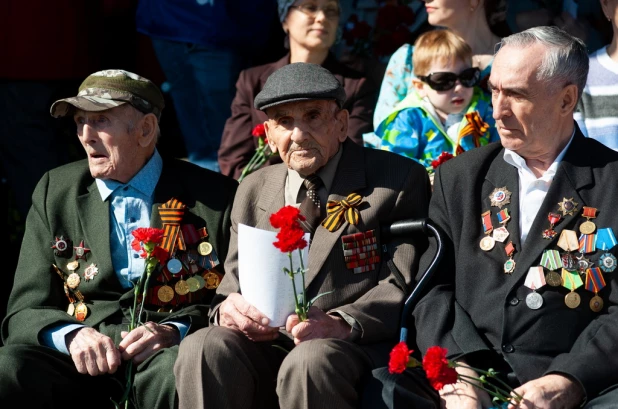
point(500, 106)
point(298, 135)
point(89, 134)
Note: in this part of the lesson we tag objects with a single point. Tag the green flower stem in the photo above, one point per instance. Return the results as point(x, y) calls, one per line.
point(501, 394)
point(302, 273)
point(299, 311)
point(492, 374)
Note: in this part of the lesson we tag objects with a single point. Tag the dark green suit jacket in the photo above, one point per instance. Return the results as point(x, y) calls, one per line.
point(67, 202)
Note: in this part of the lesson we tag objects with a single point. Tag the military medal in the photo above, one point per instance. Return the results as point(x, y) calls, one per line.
point(606, 239)
point(174, 266)
point(509, 265)
point(550, 233)
point(181, 287)
point(73, 280)
point(583, 264)
point(73, 265)
point(595, 283)
point(501, 233)
point(212, 280)
point(571, 281)
point(201, 281)
point(534, 280)
point(71, 309)
point(568, 242)
point(567, 206)
point(81, 251)
point(500, 197)
point(61, 246)
point(551, 260)
point(587, 243)
point(81, 311)
point(204, 248)
point(588, 227)
point(487, 243)
point(165, 293)
point(193, 284)
point(90, 272)
point(607, 262)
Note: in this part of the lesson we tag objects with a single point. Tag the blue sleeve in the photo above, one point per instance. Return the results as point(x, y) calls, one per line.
point(400, 134)
point(394, 87)
point(182, 326)
point(54, 337)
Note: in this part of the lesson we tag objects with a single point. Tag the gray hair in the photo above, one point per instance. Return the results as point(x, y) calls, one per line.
point(566, 60)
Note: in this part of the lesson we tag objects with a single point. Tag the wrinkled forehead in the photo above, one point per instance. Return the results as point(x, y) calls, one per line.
point(516, 64)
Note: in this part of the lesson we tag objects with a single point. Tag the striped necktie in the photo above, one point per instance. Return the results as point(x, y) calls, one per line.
point(310, 206)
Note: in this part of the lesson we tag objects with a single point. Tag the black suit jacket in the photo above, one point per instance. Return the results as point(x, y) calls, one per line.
point(476, 310)
point(67, 202)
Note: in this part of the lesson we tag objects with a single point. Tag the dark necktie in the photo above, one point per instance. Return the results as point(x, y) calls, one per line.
point(310, 206)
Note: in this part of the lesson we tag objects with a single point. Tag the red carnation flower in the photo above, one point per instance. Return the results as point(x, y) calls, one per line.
point(160, 254)
point(437, 368)
point(399, 357)
point(444, 156)
point(258, 131)
point(286, 216)
point(290, 238)
point(146, 236)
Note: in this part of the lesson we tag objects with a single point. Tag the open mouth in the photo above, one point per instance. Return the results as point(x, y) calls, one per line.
point(457, 101)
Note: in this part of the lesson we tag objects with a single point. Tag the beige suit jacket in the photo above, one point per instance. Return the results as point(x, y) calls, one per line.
point(393, 188)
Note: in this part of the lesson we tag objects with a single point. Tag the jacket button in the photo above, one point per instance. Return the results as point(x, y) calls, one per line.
point(514, 301)
point(508, 348)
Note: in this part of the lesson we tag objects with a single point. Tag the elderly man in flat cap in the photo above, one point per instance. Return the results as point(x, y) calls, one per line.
point(66, 330)
point(233, 363)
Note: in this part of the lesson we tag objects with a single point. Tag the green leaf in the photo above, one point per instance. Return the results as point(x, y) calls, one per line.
point(314, 299)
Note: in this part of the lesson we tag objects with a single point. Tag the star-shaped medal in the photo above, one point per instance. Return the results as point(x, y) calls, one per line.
point(583, 264)
point(568, 206)
point(81, 251)
point(500, 197)
point(60, 245)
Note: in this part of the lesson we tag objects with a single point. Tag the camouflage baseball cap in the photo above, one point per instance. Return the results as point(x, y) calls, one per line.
point(111, 88)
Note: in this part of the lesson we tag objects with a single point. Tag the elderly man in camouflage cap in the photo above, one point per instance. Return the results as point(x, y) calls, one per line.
point(351, 329)
point(66, 330)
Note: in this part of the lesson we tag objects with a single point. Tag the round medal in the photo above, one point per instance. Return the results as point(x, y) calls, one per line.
point(81, 311)
point(90, 272)
point(587, 227)
point(572, 300)
point(73, 265)
point(509, 266)
point(608, 262)
point(181, 287)
point(204, 248)
point(212, 280)
point(174, 266)
point(73, 280)
point(61, 245)
point(487, 243)
point(71, 309)
point(201, 281)
point(165, 294)
point(554, 279)
point(193, 284)
point(596, 303)
point(583, 264)
point(534, 300)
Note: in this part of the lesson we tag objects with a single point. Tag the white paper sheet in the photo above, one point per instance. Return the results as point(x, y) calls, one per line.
point(262, 280)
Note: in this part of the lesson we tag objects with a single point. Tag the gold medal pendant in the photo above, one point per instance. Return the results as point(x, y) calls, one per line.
point(587, 227)
point(596, 303)
point(204, 248)
point(554, 279)
point(165, 294)
point(212, 280)
point(193, 284)
point(181, 287)
point(572, 300)
point(81, 311)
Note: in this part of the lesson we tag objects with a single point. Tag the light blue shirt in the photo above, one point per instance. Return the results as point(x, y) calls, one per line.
point(130, 208)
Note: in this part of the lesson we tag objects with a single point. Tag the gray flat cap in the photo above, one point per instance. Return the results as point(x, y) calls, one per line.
point(299, 82)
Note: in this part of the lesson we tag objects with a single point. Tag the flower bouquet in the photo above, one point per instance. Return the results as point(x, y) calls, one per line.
point(262, 152)
point(441, 371)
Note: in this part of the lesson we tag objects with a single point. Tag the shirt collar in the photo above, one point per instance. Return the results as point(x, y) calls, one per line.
point(326, 173)
point(144, 181)
point(514, 159)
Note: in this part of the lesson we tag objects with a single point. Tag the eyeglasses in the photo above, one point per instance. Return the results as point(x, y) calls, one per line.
point(311, 10)
point(443, 81)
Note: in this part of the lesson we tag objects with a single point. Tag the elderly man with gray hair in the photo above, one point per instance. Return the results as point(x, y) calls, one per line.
point(527, 285)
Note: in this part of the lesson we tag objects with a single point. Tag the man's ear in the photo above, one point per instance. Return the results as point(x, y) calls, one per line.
point(271, 143)
point(343, 116)
point(419, 86)
point(568, 100)
point(147, 130)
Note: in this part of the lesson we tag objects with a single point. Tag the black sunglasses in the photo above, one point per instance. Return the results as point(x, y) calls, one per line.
point(443, 81)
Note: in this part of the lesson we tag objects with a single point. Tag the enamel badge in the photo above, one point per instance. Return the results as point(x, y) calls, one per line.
point(500, 197)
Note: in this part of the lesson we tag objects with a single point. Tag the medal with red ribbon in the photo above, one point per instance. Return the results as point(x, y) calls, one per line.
point(501, 233)
point(509, 265)
point(588, 227)
point(553, 218)
point(487, 243)
point(594, 283)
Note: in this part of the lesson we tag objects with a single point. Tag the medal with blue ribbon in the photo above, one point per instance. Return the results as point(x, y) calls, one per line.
point(606, 239)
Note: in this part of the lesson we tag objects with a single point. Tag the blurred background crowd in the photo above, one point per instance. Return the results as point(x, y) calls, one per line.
point(211, 57)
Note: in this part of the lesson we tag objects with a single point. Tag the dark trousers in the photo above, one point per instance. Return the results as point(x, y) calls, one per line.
point(39, 377)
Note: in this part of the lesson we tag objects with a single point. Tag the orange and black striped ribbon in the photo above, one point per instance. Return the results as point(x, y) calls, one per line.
point(171, 214)
point(346, 209)
point(475, 127)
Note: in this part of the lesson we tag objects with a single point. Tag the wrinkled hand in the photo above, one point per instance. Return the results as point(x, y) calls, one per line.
point(92, 352)
point(318, 325)
point(549, 392)
point(236, 313)
point(147, 339)
point(462, 395)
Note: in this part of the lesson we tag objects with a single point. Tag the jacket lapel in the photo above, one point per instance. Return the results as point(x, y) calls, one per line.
point(349, 178)
point(93, 215)
point(272, 196)
point(167, 187)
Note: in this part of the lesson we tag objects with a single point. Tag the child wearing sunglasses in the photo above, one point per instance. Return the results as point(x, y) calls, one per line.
point(447, 112)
